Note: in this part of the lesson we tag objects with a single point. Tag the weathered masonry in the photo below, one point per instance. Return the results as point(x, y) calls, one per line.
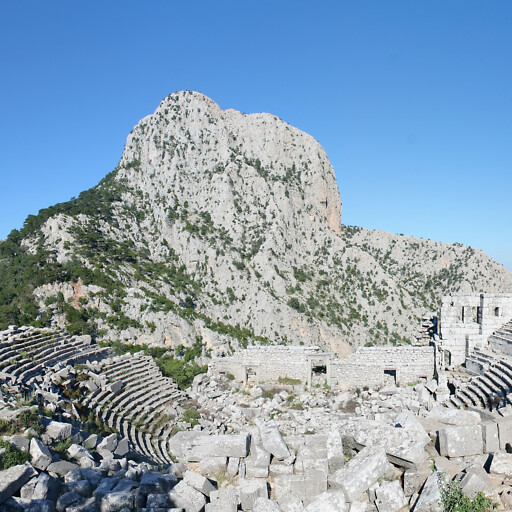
point(469, 320)
point(312, 366)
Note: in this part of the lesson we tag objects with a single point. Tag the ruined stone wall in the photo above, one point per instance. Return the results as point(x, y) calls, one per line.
point(268, 364)
point(467, 320)
point(377, 366)
point(368, 366)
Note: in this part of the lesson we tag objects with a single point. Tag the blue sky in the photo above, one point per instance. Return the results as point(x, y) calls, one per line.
point(412, 101)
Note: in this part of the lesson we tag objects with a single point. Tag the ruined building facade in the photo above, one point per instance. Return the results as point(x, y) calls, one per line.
point(466, 321)
point(470, 320)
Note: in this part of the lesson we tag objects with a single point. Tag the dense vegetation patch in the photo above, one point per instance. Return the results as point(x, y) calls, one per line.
point(178, 364)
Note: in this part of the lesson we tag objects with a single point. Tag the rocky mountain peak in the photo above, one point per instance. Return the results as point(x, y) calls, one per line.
point(225, 227)
point(240, 169)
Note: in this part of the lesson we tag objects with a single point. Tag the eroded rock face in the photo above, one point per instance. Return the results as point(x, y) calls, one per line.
point(216, 219)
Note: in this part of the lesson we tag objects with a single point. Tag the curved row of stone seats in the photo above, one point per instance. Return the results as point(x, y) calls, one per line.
point(502, 338)
point(25, 355)
point(12, 349)
point(489, 389)
point(132, 398)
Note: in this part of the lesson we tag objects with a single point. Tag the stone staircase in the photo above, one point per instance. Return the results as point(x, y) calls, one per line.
point(131, 396)
point(27, 353)
point(493, 382)
point(138, 402)
point(501, 340)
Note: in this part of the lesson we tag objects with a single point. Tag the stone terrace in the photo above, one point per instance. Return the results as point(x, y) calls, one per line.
point(26, 353)
point(492, 384)
point(133, 397)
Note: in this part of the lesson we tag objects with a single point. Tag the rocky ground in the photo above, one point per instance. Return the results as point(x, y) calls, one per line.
point(265, 449)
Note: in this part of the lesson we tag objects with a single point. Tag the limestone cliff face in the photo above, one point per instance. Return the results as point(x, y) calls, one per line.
point(226, 226)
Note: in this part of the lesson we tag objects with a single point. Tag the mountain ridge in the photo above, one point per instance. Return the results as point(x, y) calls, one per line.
point(226, 227)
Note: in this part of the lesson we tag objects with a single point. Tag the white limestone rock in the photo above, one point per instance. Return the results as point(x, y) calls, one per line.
point(213, 466)
point(360, 472)
point(58, 431)
point(76, 451)
point(501, 464)
point(266, 505)
point(461, 441)
point(429, 499)
point(199, 482)
point(335, 455)
point(390, 497)
point(41, 456)
point(224, 500)
point(250, 490)
point(330, 501)
point(401, 445)
point(185, 496)
point(414, 478)
point(490, 436)
point(273, 441)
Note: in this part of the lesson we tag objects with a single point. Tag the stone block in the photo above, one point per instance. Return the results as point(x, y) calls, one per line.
point(27, 490)
point(233, 465)
point(250, 490)
point(461, 441)
point(46, 487)
point(82, 487)
point(195, 446)
point(501, 464)
point(505, 432)
point(429, 499)
point(288, 487)
point(12, 479)
point(273, 441)
point(278, 468)
point(91, 442)
point(158, 501)
point(315, 482)
point(390, 497)
point(475, 481)
point(252, 471)
point(84, 505)
point(409, 421)
point(66, 500)
point(490, 436)
point(58, 431)
point(199, 482)
point(212, 466)
point(76, 451)
point(123, 447)
point(21, 443)
point(116, 501)
point(400, 444)
point(115, 387)
point(94, 476)
point(266, 505)
point(156, 483)
point(61, 467)
point(360, 473)
point(447, 466)
point(225, 500)
point(109, 443)
point(16, 504)
point(106, 486)
point(358, 506)
point(335, 456)
point(414, 478)
point(41, 456)
point(330, 501)
point(185, 496)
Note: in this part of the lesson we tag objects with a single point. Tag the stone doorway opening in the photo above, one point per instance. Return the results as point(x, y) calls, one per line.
point(390, 377)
